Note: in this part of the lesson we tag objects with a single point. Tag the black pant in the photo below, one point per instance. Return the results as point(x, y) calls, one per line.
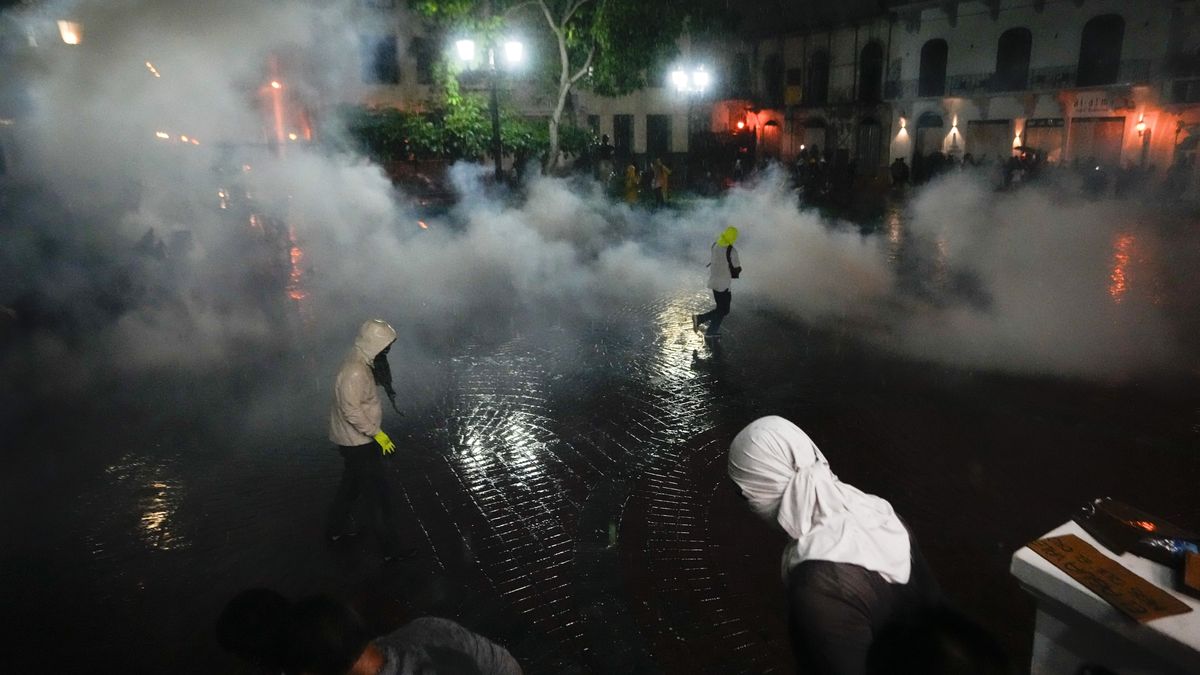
point(835, 611)
point(713, 318)
point(363, 474)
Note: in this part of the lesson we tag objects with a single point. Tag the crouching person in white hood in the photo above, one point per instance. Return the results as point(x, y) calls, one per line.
point(354, 426)
point(851, 568)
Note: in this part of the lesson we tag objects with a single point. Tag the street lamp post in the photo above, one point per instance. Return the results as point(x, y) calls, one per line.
point(513, 55)
point(692, 85)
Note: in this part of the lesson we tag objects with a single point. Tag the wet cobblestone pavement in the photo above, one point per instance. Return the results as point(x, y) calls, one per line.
point(569, 500)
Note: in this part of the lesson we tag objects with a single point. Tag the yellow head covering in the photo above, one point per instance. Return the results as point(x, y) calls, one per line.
point(728, 237)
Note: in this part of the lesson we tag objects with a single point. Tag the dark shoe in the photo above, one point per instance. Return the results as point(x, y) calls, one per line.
point(399, 555)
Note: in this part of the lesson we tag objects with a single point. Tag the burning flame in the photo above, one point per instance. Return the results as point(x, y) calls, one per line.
point(422, 224)
point(152, 69)
point(1144, 524)
point(292, 136)
point(71, 32)
point(163, 135)
point(275, 84)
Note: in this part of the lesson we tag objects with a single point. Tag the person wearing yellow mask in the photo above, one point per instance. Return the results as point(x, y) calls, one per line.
point(354, 426)
point(723, 267)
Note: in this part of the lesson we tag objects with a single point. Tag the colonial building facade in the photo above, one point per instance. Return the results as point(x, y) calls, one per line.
point(1080, 81)
point(1105, 81)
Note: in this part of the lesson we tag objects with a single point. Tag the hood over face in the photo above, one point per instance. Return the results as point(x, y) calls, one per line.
point(373, 336)
point(786, 479)
point(727, 237)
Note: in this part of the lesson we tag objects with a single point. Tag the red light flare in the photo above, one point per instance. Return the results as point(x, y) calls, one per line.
point(1119, 277)
point(295, 288)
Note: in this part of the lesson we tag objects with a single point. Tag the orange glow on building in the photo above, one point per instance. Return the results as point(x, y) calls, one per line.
point(1119, 276)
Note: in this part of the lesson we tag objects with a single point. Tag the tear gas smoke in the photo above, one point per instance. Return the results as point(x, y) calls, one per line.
point(206, 297)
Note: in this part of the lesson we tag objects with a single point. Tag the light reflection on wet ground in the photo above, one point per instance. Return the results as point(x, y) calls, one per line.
point(569, 498)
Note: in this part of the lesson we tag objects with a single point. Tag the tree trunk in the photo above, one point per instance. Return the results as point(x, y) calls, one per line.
point(564, 89)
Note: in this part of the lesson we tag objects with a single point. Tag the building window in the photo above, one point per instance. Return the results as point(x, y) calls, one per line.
point(739, 78)
point(422, 52)
point(933, 69)
point(870, 73)
point(817, 91)
point(1100, 50)
point(379, 60)
point(658, 136)
point(623, 136)
point(1012, 59)
point(773, 80)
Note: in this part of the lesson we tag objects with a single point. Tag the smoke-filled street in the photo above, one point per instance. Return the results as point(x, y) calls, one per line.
point(561, 470)
point(197, 226)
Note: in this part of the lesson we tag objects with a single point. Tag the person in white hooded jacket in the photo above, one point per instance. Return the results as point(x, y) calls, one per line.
point(354, 426)
point(851, 568)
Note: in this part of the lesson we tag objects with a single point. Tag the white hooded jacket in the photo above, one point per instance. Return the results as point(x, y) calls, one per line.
point(356, 413)
point(786, 479)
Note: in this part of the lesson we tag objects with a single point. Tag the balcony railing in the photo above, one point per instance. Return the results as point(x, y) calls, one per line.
point(1132, 71)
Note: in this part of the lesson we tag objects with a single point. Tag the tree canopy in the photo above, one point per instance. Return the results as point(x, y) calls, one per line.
point(611, 47)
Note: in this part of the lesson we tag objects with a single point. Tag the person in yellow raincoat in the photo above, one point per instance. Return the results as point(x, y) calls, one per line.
point(631, 184)
point(661, 179)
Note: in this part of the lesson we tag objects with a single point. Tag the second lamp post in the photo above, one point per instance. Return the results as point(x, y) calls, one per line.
point(514, 54)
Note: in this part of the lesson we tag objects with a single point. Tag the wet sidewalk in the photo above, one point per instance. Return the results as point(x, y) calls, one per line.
point(569, 497)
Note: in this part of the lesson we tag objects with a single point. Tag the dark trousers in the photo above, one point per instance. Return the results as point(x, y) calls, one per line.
point(713, 318)
point(835, 611)
point(363, 476)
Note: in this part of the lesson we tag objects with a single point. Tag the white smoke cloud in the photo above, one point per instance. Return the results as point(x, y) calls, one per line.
point(1018, 282)
point(1069, 286)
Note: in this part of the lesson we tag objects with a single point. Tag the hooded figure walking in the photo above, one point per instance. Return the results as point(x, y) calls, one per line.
point(723, 267)
point(354, 426)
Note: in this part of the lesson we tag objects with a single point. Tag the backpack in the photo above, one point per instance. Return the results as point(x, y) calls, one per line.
point(734, 272)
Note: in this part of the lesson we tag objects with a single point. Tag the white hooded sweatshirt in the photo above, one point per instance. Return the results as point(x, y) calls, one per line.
point(357, 412)
point(786, 479)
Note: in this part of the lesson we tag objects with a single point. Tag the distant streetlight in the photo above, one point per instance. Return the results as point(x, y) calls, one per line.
point(692, 85)
point(513, 54)
point(696, 82)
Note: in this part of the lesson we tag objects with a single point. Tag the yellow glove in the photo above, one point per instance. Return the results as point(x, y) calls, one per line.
point(384, 442)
